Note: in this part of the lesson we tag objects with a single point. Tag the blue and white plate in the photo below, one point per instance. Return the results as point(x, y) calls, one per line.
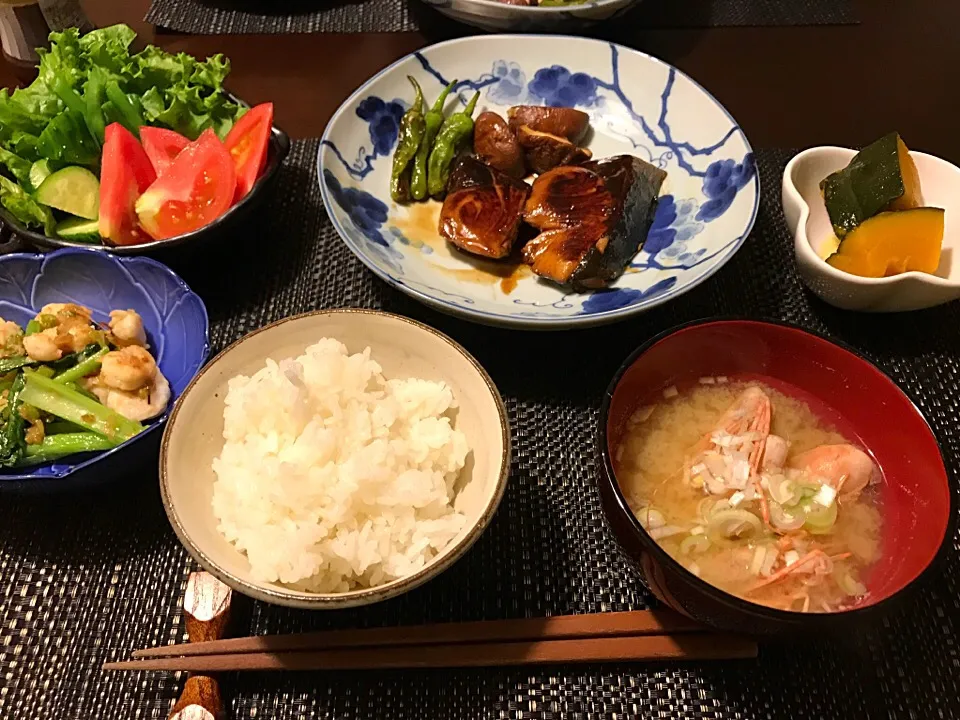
point(637, 105)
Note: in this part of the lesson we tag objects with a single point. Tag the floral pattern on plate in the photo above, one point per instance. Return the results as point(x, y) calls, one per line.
point(637, 105)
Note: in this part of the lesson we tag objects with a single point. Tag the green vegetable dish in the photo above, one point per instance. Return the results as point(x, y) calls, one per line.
point(69, 384)
point(52, 133)
point(427, 145)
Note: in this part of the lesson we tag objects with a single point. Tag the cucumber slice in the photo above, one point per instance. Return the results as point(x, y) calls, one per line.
point(39, 172)
point(74, 190)
point(79, 229)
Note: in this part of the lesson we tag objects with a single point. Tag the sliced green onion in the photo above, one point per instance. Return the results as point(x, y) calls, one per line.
point(820, 519)
point(850, 585)
point(733, 524)
point(769, 561)
point(666, 531)
point(695, 544)
point(783, 490)
point(782, 519)
point(704, 507)
point(650, 518)
point(825, 495)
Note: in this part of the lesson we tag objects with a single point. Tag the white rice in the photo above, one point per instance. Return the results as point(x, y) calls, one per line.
point(333, 478)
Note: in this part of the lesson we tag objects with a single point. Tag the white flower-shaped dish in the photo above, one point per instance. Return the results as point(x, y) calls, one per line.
point(808, 221)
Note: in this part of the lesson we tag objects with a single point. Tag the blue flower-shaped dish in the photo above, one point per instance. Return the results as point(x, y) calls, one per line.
point(174, 317)
point(638, 105)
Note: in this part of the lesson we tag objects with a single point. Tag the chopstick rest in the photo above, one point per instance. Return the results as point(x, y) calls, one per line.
point(206, 606)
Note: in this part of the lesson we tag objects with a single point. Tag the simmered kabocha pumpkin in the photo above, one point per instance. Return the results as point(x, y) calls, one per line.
point(891, 243)
point(880, 177)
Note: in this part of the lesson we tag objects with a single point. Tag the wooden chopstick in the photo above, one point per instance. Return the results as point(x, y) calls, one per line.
point(561, 627)
point(605, 649)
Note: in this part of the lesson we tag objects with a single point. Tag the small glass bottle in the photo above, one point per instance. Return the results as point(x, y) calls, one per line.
point(25, 25)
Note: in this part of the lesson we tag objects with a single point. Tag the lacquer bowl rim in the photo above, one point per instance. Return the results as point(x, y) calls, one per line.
point(745, 608)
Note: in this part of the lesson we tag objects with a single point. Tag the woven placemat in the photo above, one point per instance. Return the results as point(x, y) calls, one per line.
point(89, 578)
point(228, 17)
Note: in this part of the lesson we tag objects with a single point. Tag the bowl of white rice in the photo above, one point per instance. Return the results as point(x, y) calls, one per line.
point(335, 459)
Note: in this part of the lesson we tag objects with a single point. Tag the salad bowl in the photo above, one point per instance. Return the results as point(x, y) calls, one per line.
point(174, 317)
point(637, 105)
point(73, 164)
point(497, 16)
point(231, 222)
point(807, 219)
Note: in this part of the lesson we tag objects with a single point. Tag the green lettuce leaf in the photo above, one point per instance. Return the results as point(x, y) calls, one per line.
point(211, 72)
point(15, 116)
point(94, 90)
point(152, 68)
point(128, 106)
point(24, 208)
point(182, 93)
point(24, 145)
point(108, 48)
point(67, 139)
point(38, 100)
point(86, 82)
point(190, 111)
point(62, 62)
point(18, 167)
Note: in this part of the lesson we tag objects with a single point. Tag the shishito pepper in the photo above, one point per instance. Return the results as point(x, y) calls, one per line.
point(412, 127)
point(434, 121)
point(453, 132)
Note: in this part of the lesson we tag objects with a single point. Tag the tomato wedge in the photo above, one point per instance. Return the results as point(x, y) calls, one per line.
point(125, 172)
point(195, 190)
point(247, 142)
point(162, 146)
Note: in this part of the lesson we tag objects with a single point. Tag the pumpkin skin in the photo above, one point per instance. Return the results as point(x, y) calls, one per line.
point(880, 177)
point(891, 243)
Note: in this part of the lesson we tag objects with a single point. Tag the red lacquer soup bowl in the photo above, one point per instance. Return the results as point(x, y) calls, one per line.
point(842, 388)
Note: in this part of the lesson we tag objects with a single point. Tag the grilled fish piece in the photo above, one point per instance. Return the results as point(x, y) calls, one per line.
point(593, 219)
point(544, 151)
point(496, 145)
point(566, 123)
point(483, 208)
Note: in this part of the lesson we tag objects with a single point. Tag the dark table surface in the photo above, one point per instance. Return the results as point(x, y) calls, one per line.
point(786, 86)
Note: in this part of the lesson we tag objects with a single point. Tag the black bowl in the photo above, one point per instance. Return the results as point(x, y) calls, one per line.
point(918, 504)
point(224, 226)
